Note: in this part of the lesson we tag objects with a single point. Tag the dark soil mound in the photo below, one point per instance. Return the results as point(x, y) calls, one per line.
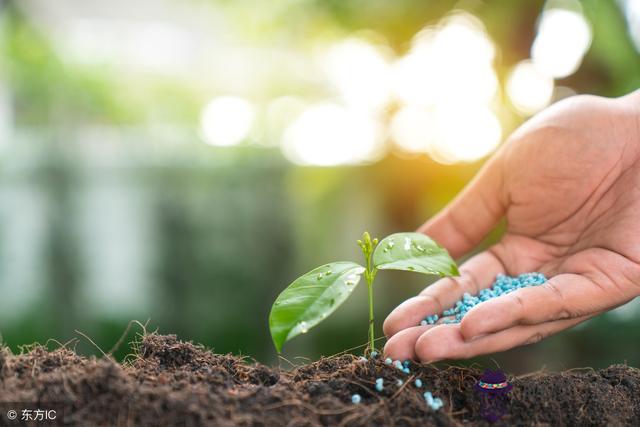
point(176, 383)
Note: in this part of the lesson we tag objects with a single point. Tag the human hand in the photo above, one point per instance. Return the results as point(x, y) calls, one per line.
point(568, 183)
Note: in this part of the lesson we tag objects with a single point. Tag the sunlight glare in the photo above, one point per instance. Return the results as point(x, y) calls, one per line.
point(449, 134)
point(360, 73)
point(563, 38)
point(465, 134)
point(451, 61)
point(632, 13)
point(528, 89)
point(226, 120)
point(413, 129)
point(329, 134)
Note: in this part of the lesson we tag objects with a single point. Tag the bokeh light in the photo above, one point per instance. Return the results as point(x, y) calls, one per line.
point(413, 129)
point(360, 72)
point(226, 120)
point(529, 90)
point(466, 133)
point(632, 12)
point(449, 134)
point(446, 83)
point(452, 61)
point(564, 36)
point(329, 134)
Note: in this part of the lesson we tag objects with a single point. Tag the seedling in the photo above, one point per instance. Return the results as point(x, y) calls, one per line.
point(312, 297)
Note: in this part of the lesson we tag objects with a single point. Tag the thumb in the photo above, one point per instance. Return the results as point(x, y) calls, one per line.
point(463, 224)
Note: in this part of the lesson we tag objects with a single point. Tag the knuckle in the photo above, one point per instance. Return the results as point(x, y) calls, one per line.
point(563, 312)
point(435, 300)
point(460, 226)
point(633, 278)
point(469, 328)
point(471, 280)
point(551, 286)
point(517, 299)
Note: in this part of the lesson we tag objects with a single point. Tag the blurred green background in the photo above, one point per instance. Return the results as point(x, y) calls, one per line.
point(182, 161)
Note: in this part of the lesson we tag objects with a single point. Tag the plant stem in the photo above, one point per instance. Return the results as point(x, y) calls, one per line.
point(372, 335)
point(368, 246)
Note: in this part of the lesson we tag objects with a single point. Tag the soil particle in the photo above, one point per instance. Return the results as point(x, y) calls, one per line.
point(170, 382)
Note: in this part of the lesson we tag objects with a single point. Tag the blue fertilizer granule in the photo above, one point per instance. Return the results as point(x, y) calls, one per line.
point(435, 403)
point(501, 286)
point(429, 320)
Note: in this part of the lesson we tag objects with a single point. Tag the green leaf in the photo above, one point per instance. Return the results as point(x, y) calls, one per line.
point(413, 252)
point(311, 298)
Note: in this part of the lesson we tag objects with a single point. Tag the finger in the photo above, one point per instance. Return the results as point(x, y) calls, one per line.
point(447, 342)
point(402, 345)
point(477, 273)
point(562, 297)
point(472, 214)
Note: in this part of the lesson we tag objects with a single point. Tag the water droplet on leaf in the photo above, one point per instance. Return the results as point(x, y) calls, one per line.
point(407, 243)
point(303, 327)
point(351, 279)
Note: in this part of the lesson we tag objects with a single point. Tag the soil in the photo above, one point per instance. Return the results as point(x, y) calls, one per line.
point(170, 382)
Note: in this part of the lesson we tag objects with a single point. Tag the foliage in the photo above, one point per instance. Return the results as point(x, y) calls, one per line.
point(314, 296)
